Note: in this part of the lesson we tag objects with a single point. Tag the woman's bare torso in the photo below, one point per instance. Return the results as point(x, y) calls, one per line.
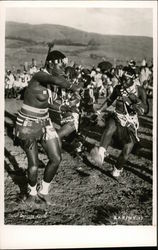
point(36, 95)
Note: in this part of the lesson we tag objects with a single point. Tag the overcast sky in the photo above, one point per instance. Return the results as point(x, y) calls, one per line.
point(120, 21)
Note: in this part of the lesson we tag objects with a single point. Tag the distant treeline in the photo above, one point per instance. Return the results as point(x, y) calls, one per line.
point(30, 41)
point(67, 42)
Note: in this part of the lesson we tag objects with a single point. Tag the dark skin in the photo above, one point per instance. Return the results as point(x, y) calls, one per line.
point(36, 96)
point(69, 127)
point(38, 84)
point(136, 105)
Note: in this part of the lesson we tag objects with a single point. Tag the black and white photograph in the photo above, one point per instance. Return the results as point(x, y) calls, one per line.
point(79, 115)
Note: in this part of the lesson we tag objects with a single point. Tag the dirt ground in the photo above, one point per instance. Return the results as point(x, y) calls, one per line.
point(91, 197)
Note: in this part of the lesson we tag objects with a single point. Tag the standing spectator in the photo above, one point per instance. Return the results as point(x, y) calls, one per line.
point(9, 82)
point(26, 66)
point(145, 73)
point(33, 70)
point(34, 63)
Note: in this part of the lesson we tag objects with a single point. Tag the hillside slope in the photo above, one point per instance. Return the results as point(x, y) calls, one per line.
point(47, 32)
point(89, 48)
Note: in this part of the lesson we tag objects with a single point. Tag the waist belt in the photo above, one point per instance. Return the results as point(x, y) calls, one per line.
point(25, 120)
point(33, 112)
point(129, 120)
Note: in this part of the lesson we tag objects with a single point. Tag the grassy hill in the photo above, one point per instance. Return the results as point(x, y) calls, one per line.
point(25, 41)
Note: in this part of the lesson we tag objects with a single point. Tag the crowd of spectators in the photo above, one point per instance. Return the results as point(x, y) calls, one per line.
point(97, 82)
point(17, 80)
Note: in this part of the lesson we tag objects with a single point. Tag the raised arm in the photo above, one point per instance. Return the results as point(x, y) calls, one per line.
point(59, 80)
point(109, 101)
